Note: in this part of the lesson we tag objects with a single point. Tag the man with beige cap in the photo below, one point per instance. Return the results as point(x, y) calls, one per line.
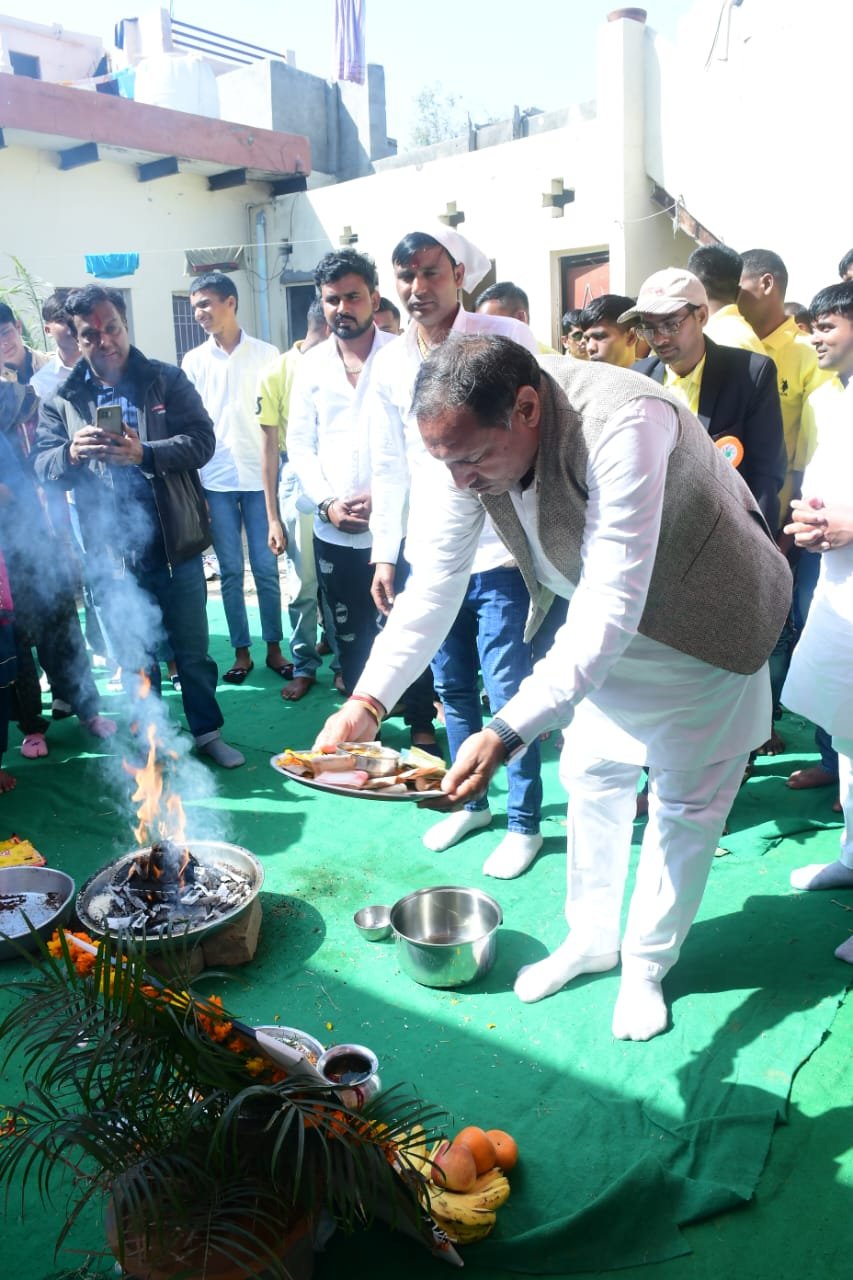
point(733, 393)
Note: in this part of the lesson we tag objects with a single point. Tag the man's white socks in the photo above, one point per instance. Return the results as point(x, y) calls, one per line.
point(513, 855)
point(536, 981)
point(640, 1010)
point(845, 951)
point(819, 875)
point(456, 825)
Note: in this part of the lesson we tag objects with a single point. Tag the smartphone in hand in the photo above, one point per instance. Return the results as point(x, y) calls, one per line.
point(108, 418)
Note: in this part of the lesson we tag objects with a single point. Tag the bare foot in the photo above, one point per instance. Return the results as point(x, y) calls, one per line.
point(774, 746)
point(814, 776)
point(7, 781)
point(339, 683)
point(297, 688)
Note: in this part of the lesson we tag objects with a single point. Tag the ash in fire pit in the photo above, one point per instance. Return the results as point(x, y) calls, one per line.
point(165, 888)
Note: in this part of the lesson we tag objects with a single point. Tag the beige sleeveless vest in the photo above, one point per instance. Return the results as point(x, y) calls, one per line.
point(720, 589)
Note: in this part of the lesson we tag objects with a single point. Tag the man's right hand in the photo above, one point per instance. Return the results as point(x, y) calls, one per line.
point(353, 723)
point(88, 445)
point(276, 538)
point(343, 514)
point(382, 589)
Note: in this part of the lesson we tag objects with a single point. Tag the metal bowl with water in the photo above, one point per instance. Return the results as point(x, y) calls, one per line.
point(42, 895)
point(447, 935)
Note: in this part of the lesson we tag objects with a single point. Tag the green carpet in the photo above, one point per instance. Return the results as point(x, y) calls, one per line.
point(622, 1145)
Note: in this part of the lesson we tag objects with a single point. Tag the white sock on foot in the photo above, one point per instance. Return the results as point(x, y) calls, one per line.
point(845, 951)
point(823, 875)
point(640, 1011)
point(456, 825)
point(536, 981)
point(513, 855)
point(219, 751)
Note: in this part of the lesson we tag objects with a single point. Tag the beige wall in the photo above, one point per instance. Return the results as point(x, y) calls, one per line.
point(52, 219)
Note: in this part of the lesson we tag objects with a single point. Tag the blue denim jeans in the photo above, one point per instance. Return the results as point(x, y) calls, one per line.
point(488, 635)
point(302, 610)
point(139, 610)
point(230, 513)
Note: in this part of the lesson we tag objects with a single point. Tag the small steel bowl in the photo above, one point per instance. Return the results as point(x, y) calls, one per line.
point(373, 923)
point(372, 758)
point(446, 936)
point(44, 895)
point(306, 1044)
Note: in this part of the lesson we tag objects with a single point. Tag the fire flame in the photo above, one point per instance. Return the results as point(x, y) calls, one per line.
point(153, 822)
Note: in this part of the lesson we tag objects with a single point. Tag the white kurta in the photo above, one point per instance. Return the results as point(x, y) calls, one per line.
point(631, 699)
point(820, 678)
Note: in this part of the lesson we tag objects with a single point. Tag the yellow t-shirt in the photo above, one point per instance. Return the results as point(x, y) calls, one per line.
point(728, 328)
point(798, 375)
point(274, 386)
point(687, 388)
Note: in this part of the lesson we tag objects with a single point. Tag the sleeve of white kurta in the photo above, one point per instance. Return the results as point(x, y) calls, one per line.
point(389, 478)
point(303, 440)
point(444, 529)
point(626, 476)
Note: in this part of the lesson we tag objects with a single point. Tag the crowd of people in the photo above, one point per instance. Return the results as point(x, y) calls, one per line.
point(620, 543)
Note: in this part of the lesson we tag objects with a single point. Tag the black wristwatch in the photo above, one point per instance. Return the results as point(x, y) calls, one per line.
point(513, 744)
point(323, 510)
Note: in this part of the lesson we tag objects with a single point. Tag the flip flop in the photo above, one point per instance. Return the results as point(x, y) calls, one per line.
point(236, 675)
point(285, 670)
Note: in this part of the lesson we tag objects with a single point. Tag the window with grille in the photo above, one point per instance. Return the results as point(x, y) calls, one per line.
point(188, 334)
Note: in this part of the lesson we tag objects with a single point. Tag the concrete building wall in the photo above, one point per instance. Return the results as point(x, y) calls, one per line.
point(500, 189)
point(103, 209)
point(63, 55)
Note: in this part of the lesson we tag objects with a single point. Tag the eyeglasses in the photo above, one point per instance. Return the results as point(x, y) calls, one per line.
point(666, 327)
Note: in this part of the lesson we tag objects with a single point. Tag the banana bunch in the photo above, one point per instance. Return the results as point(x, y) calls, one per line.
point(464, 1217)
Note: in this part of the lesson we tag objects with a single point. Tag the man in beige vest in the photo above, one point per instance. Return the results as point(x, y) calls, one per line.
point(609, 492)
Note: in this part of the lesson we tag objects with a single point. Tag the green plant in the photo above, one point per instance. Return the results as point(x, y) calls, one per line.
point(152, 1102)
point(25, 294)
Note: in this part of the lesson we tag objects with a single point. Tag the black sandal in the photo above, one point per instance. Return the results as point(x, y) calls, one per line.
point(236, 675)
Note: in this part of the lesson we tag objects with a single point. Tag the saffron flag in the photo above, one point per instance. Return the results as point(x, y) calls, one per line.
point(349, 59)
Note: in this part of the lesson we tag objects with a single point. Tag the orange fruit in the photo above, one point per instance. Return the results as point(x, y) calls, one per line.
point(454, 1168)
point(477, 1142)
point(506, 1148)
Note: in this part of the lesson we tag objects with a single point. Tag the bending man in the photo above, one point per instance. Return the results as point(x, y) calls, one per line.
point(608, 492)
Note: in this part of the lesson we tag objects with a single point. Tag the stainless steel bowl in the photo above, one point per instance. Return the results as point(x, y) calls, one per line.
point(210, 851)
point(372, 758)
point(446, 936)
point(373, 923)
point(309, 1046)
point(42, 894)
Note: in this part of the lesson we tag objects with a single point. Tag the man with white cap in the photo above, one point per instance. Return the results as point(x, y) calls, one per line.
point(430, 268)
point(733, 393)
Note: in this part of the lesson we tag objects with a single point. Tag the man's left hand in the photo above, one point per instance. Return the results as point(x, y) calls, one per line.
point(122, 451)
point(477, 761)
point(819, 528)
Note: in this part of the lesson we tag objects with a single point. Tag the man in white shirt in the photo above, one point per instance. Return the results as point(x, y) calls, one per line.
point(57, 325)
point(224, 371)
point(609, 492)
point(488, 634)
point(329, 450)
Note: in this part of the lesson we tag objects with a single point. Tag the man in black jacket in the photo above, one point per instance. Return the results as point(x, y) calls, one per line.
point(139, 501)
point(733, 393)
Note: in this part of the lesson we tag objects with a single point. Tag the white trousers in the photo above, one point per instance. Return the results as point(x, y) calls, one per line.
point(844, 747)
point(687, 812)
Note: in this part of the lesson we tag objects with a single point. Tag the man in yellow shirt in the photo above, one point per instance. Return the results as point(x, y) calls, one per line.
point(720, 268)
point(761, 300)
point(291, 530)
